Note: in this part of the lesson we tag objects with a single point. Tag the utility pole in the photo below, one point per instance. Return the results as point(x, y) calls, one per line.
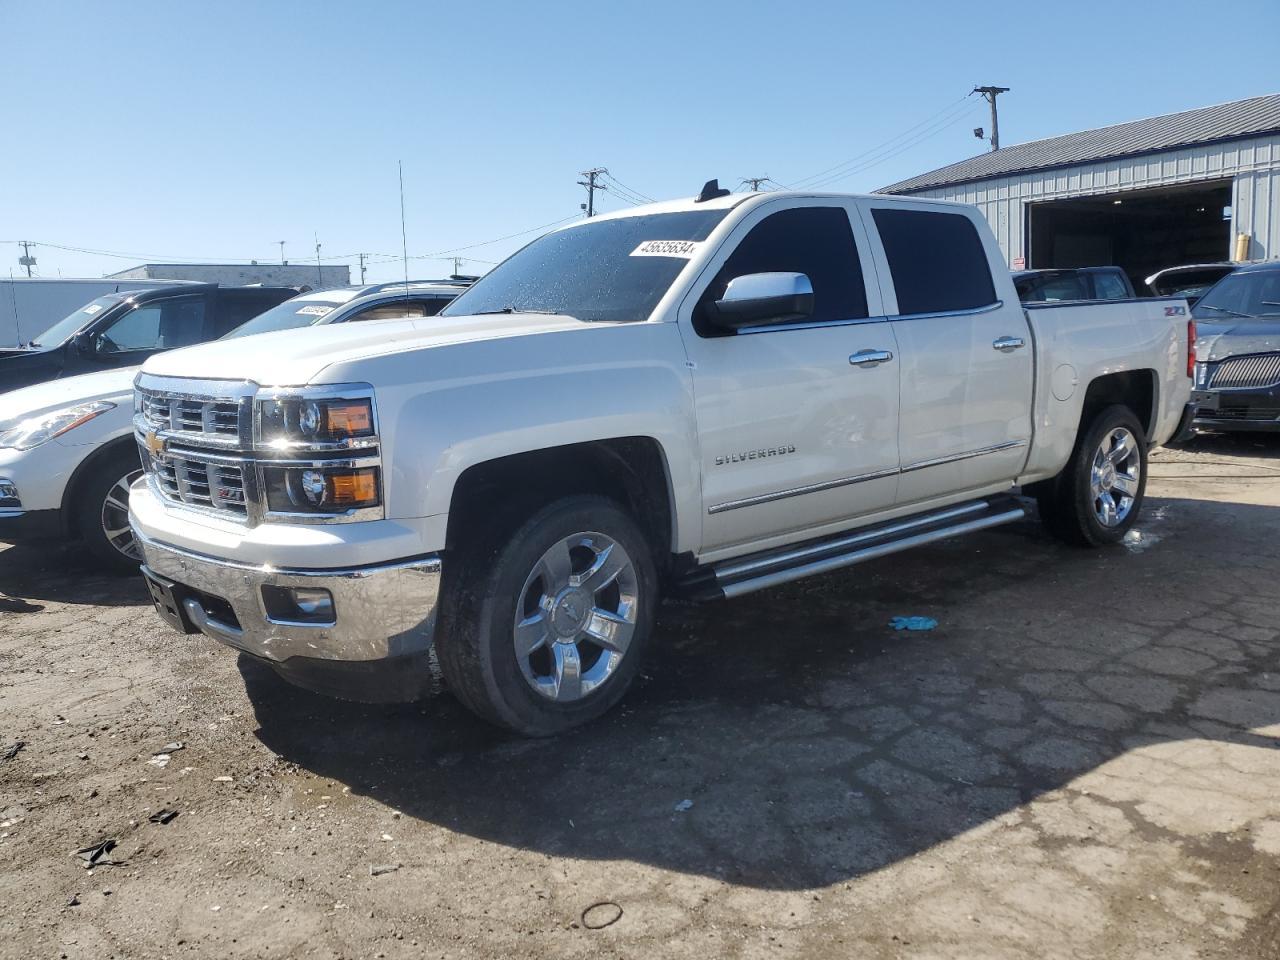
point(457, 265)
point(592, 187)
point(989, 94)
point(319, 274)
point(754, 182)
point(283, 261)
point(26, 260)
point(362, 256)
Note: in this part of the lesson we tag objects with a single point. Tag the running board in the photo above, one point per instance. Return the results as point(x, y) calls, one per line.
point(733, 578)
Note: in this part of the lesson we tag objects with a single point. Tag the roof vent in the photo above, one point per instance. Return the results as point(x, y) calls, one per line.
point(711, 190)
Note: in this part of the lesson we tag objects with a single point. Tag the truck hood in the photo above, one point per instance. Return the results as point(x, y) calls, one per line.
point(298, 357)
point(1216, 340)
point(114, 385)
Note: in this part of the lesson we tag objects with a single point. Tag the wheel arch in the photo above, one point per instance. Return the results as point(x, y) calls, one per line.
point(1139, 390)
point(72, 500)
point(631, 470)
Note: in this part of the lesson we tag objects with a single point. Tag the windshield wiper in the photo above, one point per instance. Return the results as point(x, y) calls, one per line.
point(1234, 313)
point(485, 313)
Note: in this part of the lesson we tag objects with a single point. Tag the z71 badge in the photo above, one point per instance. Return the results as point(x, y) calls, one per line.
point(744, 455)
point(1175, 311)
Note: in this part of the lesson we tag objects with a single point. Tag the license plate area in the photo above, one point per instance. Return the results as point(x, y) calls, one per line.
point(167, 597)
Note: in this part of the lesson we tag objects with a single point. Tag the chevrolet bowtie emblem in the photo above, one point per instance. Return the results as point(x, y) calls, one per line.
point(155, 444)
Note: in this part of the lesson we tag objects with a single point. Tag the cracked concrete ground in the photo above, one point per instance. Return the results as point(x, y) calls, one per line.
point(1080, 761)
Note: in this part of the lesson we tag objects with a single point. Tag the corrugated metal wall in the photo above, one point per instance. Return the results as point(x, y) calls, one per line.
point(1253, 165)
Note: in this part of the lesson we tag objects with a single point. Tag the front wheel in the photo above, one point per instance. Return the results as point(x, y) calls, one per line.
point(103, 513)
point(1098, 496)
point(545, 629)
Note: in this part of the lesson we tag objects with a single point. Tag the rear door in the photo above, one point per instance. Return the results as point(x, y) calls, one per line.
point(793, 435)
point(966, 354)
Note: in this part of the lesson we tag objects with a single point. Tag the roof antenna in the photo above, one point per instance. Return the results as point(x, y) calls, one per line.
point(404, 243)
point(711, 190)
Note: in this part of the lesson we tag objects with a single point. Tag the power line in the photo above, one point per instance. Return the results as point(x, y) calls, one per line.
point(804, 182)
point(643, 198)
point(892, 151)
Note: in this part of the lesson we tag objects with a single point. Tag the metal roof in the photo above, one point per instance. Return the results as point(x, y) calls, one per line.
point(1226, 121)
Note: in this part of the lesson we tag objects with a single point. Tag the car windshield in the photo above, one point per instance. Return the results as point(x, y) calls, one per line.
point(612, 270)
point(68, 325)
point(298, 312)
point(1254, 293)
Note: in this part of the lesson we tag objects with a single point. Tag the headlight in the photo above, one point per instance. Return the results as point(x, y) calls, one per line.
point(33, 431)
point(293, 421)
point(319, 488)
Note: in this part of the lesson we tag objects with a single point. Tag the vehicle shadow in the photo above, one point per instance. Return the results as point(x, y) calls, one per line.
point(61, 573)
point(790, 739)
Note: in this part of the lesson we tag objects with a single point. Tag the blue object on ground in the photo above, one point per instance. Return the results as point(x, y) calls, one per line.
point(913, 623)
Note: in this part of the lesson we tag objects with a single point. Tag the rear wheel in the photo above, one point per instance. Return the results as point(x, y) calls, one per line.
point(1098, 496)
point(544, 629)
point(102, 518)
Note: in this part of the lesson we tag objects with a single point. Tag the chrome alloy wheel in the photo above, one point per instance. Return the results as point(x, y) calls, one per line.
point(1114, 476)
point(115, 517)
point(575, 616)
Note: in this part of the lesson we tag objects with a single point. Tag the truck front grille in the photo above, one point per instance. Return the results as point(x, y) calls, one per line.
point(1258, 371)
point(216, 421)
point(195, 482)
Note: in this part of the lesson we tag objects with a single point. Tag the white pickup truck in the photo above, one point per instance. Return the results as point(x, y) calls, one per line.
point(709, 396)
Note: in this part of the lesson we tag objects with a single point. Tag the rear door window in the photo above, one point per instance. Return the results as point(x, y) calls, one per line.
point(815, 241)
point(1107, 286)
point(937, 261)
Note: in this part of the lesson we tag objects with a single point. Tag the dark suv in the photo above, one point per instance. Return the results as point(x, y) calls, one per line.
point(123, 329)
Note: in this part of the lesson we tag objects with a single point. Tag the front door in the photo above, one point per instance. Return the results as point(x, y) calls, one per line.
point(966, 355)
point(147, 329)
point(798, 428)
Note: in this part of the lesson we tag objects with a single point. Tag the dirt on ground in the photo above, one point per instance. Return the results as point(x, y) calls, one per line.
point(1080, 761)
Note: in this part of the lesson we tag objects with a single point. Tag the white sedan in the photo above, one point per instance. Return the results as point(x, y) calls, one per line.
point(67, 457)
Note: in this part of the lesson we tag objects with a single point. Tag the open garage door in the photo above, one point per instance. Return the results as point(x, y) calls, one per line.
point(1141, 231)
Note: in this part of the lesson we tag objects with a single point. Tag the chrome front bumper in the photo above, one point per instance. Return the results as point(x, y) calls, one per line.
point(384, 612)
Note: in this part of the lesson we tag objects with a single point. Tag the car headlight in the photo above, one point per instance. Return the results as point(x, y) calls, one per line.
point(316, 422)
point(33, 431)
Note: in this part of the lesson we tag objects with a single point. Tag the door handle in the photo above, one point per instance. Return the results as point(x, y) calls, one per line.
point(870, 358)
point(1008, 344)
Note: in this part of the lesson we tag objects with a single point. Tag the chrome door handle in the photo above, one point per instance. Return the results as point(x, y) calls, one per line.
point(870, 358)
point(1008, 344)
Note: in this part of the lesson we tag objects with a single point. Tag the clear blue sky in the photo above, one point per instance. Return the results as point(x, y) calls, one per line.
point(211, 130)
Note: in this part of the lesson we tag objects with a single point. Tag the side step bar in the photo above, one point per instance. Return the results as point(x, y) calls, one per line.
point(733, 578)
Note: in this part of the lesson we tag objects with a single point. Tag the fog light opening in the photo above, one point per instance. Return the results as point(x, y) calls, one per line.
point(309, 605)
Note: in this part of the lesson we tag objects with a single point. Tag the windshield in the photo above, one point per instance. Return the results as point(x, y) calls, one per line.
point(69, 324)
point(1249, 294)
point(610, 270)
point(297, 312)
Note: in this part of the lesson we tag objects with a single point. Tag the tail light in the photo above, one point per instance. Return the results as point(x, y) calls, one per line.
point(1191, 348)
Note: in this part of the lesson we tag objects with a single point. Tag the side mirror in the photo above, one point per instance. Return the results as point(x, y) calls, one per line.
point(759, 298)
point(85, 343)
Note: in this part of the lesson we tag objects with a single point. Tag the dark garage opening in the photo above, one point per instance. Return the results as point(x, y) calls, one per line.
point(1141, 231)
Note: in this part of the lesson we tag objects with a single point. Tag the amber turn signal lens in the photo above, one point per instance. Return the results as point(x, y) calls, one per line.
point(348, 419)
point(353, 488)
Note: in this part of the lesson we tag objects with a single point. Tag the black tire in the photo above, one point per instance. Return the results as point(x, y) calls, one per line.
point(1068, 508)
point(104, 481)
point(484, 584)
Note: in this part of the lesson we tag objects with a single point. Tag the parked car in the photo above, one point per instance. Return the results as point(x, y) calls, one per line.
point(1238, 351)
point(1073, 283)
point(1189, 281)
point(29, 304)
point(67, 450)
point(711, 396)
point(123, 329)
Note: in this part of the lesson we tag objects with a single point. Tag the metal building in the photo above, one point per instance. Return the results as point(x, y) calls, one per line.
point(1194, 187)
point(235, 274)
